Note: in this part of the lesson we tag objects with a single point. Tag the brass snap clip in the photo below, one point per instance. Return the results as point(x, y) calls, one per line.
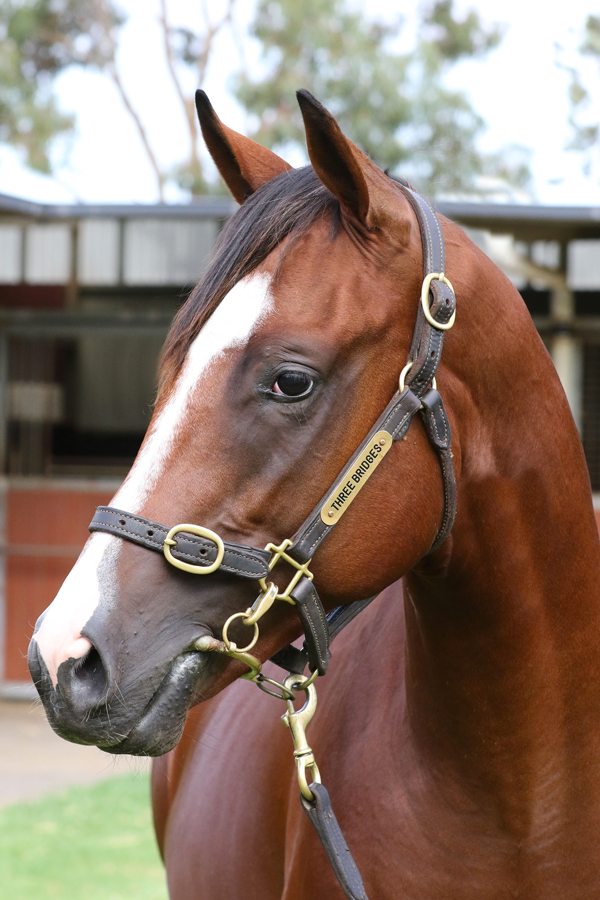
point(262, 603)
point(297, 721)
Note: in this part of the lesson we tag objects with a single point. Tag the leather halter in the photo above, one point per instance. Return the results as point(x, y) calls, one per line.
point(197, 549)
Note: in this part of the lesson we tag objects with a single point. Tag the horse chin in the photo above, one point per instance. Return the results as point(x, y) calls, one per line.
point(161, 724)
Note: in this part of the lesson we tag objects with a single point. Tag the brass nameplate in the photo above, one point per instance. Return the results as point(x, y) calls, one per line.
point(355, 477)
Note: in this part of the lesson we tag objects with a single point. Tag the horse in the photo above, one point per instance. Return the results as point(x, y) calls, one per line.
point(458, 727)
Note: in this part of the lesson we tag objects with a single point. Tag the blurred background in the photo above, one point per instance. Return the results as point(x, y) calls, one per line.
point(109, 211)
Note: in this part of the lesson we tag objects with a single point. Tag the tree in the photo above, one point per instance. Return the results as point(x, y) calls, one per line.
point(42, 38)
point(185, 48)
point(583, 119)
point(395, 106)
point(38, 42)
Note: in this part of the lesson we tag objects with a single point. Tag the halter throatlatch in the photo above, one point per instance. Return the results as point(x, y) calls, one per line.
point(200, 551)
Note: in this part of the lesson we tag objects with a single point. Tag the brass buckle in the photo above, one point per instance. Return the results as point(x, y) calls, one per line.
point(405, 372)
point(201, 532)
point(301, 569)
point(435, 276)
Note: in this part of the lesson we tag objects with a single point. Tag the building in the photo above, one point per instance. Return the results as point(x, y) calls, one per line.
point(87, 294)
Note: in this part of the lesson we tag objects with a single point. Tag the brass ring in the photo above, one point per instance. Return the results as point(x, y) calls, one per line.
point(201, 532)
point(297, 682)
point(285, 694)
point(435, 276)
point(226, 640)
point(405, 372)
point(313, 768)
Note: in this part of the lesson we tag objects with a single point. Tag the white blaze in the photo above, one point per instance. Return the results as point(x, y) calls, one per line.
point(59, 636)
point(92, 577)
point(230, 325)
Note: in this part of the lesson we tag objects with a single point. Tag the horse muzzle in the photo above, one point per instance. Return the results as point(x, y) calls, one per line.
point(86, 708)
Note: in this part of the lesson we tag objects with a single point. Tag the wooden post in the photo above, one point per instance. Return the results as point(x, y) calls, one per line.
point(565, 348)
point(4, 350)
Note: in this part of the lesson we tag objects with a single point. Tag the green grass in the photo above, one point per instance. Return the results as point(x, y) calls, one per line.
point(89, 843)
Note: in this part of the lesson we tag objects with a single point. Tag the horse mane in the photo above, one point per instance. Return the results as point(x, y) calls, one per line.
point(287, 204)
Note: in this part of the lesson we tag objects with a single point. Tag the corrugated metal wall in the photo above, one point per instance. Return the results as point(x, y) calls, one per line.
point(166, 251)
point(109, 252)
point(98, 251)
point(11, 242)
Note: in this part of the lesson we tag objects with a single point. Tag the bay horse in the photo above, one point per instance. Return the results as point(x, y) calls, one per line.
point(458, 728)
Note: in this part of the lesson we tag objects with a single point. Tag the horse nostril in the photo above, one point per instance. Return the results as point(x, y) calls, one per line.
point(90, 669)
point(84, 681)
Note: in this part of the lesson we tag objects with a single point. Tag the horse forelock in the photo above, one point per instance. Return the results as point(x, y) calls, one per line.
point(287, 205)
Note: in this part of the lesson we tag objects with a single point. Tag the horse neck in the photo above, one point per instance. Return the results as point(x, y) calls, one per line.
point(503, 624)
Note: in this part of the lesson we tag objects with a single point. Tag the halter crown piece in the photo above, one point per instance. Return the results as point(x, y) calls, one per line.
point(200, 551)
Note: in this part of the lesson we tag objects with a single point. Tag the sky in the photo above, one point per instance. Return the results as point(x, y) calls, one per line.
point(518, 89)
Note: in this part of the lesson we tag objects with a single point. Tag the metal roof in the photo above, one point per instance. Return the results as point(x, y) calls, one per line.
point(201, 208)
point(529, 222)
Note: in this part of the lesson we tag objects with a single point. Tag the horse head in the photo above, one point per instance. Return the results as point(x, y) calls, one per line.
point(273, 372)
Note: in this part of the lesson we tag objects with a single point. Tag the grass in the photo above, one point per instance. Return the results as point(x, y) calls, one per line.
point(89, 843)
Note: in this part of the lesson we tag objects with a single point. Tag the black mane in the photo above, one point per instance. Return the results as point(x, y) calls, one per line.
point(291, 202)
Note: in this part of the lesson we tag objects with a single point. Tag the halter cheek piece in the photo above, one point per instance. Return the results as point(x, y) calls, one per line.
point(198, 550)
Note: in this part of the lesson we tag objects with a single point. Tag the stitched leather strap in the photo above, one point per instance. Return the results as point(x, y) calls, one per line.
point(440, 434)
point(295, 660)
point(427, 342)
point(396, 419)
point(322, 816)
point(341, 616)
point(425, 354)
point(314, 622)
point(249, 562)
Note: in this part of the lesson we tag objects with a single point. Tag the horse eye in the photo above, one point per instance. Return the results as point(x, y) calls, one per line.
point(293, 384)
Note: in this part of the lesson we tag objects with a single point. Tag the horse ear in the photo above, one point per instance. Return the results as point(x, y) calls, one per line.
point(243, 163)
point(341, 166)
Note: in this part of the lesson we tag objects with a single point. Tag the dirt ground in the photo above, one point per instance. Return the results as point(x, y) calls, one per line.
point(34, 761)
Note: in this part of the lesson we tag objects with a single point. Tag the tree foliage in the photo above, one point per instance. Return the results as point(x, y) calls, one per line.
point(583, 119)
point(396, 106)
point(40, 39)
point(191, 50)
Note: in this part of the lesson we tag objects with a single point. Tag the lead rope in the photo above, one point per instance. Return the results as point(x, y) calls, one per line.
point(314, 797)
